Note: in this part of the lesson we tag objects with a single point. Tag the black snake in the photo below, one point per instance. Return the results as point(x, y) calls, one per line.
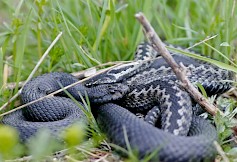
point(146, 85)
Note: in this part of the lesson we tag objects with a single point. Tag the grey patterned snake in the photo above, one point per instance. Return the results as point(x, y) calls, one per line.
point(148, 87)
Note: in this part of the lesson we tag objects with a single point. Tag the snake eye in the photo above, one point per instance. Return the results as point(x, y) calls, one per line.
point(48, 92)
point(112, 91)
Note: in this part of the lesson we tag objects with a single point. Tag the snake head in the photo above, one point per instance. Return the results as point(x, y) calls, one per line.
point(107, 92)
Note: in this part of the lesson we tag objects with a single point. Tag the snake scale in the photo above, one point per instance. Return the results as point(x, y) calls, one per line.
point(148, 86)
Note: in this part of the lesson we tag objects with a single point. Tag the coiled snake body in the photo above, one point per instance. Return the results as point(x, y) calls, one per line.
point(148, 87)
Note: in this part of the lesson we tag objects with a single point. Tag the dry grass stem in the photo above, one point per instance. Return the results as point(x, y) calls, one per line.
point(58, 91)
point(177, 69)
point(221, 152)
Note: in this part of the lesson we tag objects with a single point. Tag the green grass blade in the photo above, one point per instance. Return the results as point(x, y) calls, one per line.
point(212, 61)
point(20, 48)
point(1, 68)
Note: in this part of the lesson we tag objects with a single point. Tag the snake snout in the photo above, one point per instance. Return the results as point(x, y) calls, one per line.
point(107, 92)
point(119, 88)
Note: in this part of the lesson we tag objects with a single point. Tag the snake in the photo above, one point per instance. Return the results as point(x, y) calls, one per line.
point(171, 127)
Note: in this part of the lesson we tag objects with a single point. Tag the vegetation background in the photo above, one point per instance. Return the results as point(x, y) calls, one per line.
point(100, 31)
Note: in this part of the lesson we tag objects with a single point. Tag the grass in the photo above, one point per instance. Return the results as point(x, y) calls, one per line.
point(96, 31)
